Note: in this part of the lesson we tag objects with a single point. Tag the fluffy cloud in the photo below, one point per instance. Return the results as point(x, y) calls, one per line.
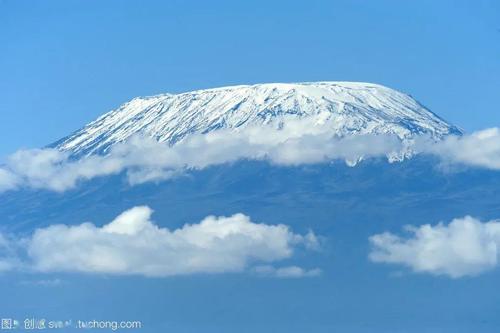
point(133, 244)
point(464, 247)
point(480, 149)
point(145, 160)
point(54, 170)
point(8, 180)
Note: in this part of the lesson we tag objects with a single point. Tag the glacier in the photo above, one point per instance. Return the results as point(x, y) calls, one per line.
point(344, 108)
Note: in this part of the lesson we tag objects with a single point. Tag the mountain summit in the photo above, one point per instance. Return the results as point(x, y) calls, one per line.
point(349, 108)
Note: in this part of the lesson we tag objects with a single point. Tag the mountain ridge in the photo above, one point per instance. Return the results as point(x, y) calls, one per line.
point(348, 108)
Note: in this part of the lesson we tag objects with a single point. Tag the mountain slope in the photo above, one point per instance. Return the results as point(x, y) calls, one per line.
point(347, 107)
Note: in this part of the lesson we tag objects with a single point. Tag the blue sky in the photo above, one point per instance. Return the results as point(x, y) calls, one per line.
point(63, 63)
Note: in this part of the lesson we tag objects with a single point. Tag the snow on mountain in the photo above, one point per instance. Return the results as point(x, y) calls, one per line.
point(348, 108)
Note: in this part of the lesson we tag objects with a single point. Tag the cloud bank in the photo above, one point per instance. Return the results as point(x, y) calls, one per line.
point(479, 149)
point(133, 245)
point(145, 160)
point(464, 247)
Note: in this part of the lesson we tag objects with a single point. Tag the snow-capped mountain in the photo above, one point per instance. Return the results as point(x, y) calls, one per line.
point(348, 108)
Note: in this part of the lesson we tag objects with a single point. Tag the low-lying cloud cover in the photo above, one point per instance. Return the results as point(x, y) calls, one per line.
point(133, 244)
point(464, 247)
point(145, 160)
point(480, 149)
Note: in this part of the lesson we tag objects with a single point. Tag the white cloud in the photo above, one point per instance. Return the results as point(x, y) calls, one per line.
point(286, 272)
point(133, 244)
point(464, 247)
point(480, 149)
point(8, 180)
point(54, 170)
point(145, 160)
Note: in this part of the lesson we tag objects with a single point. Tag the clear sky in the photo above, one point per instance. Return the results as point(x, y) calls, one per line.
point(64, 62)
